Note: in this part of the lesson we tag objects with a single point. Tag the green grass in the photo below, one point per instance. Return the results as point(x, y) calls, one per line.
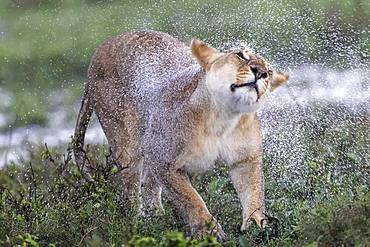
point(344, 221)
point(323, 201)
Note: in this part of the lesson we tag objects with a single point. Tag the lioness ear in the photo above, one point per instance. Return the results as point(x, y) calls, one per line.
point(203, 53)
point(278, 79)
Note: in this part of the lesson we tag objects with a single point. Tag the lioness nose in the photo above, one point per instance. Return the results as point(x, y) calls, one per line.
point(258, 72)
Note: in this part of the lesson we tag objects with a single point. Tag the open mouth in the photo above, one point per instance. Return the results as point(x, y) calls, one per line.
point(248, 84)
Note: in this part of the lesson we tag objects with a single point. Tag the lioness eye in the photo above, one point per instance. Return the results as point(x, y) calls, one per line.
point(241, 55)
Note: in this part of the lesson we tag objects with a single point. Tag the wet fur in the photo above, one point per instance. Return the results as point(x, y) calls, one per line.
point(162, 120)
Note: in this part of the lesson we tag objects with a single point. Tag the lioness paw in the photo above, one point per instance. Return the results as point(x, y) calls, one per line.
point(212, 228)
point(260, 221)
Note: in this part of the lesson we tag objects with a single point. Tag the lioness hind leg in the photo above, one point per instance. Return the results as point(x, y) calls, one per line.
point(188, 203)
point(131, 177)
point(151, 192)
point(120, 127)
point(128, 157)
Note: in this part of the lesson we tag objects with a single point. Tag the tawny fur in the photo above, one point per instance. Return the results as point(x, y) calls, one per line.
point(167, 109)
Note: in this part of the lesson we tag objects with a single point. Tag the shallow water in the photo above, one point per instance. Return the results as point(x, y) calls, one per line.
point(340, 96)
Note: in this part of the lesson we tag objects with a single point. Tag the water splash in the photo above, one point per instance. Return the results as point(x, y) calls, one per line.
point(316, 95)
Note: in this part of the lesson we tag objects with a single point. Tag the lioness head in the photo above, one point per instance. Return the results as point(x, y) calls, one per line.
point(240, 80)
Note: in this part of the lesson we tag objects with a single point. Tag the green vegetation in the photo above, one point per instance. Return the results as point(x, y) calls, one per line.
point(344, 222)
point(47, 44)
point(324, 201)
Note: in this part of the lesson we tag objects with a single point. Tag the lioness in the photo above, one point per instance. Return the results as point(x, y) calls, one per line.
point(167, 109)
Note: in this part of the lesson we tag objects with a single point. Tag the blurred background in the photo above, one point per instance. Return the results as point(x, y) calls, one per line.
point(46, 45)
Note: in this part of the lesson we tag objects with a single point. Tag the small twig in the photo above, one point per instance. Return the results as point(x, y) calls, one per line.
point(87, 233)
point(34, 191)
point(10, 197)
point(85, 172)
point(110, 163)
point(48, 154)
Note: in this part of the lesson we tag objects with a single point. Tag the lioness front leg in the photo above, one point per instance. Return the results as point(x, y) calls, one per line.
point(189, 203)
point(247, 177)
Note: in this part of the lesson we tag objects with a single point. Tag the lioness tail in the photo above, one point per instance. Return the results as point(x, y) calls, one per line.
point(83, 119)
